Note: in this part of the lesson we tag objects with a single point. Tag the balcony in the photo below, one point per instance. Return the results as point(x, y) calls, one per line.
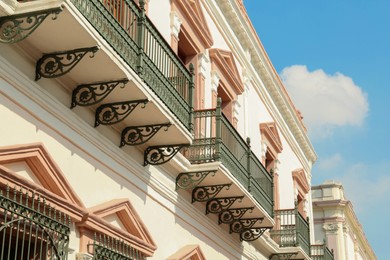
point(291, 230)
point(219, 147)
point(121, 60)
point(321, 252)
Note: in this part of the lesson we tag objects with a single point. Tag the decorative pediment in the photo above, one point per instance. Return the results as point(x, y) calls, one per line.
point(270, 134)
point(121, 221)
point(194, 22)
point(300, 181)
point(31, 163)
point(223, 63)
point(189, 252)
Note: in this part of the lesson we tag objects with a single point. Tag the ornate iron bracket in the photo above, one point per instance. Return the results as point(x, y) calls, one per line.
point(218, 205)
point(91, 94)
point(136, 135)
point(15, 28)
point(282, 256)
point(228, 216)
point(156, 155)
point(189, 180)
point(112, 113)
point(251, 234)
point(56, 64)
point(205, 193)
point(239, 225)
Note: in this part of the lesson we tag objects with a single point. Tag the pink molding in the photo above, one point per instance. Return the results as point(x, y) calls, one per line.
point(135, 234)
point(223, 62)
point(270, 133)
point(44, 168)
point(194, 24)
point(189, 252)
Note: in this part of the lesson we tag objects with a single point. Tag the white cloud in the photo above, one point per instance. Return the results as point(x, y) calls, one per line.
point(326, 101)
point(330, 162)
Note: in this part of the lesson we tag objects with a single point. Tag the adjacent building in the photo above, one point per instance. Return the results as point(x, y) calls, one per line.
point(335, 222)
point(157, 129)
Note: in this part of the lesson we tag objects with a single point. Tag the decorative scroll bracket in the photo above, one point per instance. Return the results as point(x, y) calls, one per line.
point(283, 256)
point(189, 180)
point(156, 155)
point(136, 135)
point(251, 234)
point(205, 193)
point(56, 64)
point(230, 215)
point(112, 113)
point(239, 225)
point(218, 205)
point(91, 94)
point(15, 28)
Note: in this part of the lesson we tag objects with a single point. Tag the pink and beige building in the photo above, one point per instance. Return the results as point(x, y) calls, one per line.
point(147, 129)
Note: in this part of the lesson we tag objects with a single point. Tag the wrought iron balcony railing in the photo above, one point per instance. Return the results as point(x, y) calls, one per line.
point(291, 230)
point(104, 247)
point(125, 26)
point(30, 228)
point(321, 252)
point(215, 139)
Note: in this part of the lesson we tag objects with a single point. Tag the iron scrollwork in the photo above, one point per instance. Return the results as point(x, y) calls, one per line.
point(136, 135)
point(56, 64)
point(15, 28)
point(218, 205)
point(228, 216)
point(239, 225)
point(205, 193)
point(251, 234)
point(91, 94)
point(282, 256)
point(189, 180)
point(156, 155)
point(112, 113)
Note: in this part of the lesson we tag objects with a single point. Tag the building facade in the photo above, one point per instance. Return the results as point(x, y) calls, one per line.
point(152, 129)
point(335, 222)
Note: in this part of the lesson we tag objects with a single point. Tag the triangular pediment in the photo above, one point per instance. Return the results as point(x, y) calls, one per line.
point(189, 252)
point(301, 181)
point(192, 15)
point(32, 163)
point(271, 134)
point(121, 214)
point(224, 63)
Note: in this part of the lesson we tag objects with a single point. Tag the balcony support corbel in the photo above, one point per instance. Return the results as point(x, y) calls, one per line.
point(239, 225)
point(56, 64)
point(112, 113)
point(205, 193)
point(136, 135)
point(218, 205)
point(251, 234)
point(15, 28)
point(91, 94)
point(156, 155)
point(230, 215)
point(282, 256)
point(189, 180)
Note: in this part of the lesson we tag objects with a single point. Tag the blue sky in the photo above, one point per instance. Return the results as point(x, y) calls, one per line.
point(334, 57)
